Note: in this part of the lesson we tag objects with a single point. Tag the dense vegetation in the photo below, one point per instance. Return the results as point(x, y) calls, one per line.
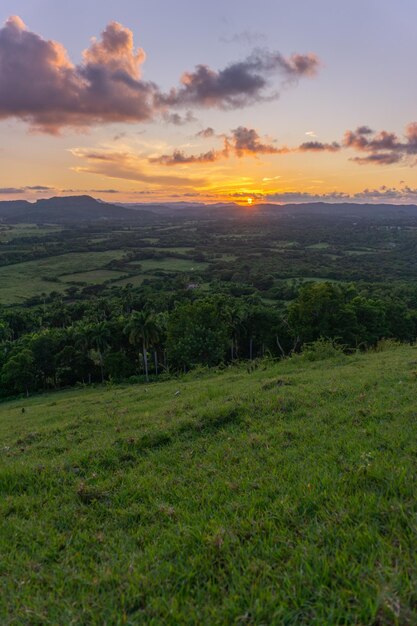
point(276, 487)
point(121, 301)
point(130, 335)
point(282, 495)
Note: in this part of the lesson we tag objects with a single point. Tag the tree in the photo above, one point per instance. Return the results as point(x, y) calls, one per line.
point(197, 334)
point(100, 336)
point(322, 310)
point(142, 331)
point(95, 337)
point(18, 373)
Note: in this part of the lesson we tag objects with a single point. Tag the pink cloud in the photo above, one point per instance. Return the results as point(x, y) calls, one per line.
point(40, 85)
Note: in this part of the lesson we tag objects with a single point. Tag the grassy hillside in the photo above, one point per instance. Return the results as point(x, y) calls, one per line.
point(286, 495)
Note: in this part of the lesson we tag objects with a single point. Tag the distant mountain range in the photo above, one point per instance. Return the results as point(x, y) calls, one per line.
point(69, 209)
point(340, 209)
point(78, 209)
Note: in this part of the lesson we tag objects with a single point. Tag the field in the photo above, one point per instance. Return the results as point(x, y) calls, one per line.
point(281, 495)
point(170, 265)
point(23, 280)
point(261, 254)
point(16, 231)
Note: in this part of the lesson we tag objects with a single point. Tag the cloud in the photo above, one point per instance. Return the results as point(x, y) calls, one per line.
point(242, 83)
point(41, 86)
point(246, 37)
point(206, 133)
point(179, 158)
point(378, 159)
point(179, 120)
point(83, 191)
point(318, 146)
point(382, 148)
point(247, 141)
point(127, 166)
point(19, 190)
point(10, 191)
point(241, 142)
point(381, 195)
point(39, 188)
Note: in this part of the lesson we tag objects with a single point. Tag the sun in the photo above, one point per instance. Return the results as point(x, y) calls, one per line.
point(249, 201)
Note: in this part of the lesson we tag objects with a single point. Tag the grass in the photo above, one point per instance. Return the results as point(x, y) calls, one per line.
point(93, 277)
point(24, 280)
point(283, 495)
point(318, 246)
point(9, 233)
point(169, 264)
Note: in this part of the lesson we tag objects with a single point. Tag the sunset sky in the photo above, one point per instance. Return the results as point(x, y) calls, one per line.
point(232, 100)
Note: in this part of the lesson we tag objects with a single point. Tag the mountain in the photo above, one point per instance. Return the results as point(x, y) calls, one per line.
point(76, 209)
point(349, 210)
point(187, 209)
point(68, 209)
point(342, 209)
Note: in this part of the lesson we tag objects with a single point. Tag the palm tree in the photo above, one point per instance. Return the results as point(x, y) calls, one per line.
point(142, 331)
point(236, 318)
point(101, 337)
point(95, 336)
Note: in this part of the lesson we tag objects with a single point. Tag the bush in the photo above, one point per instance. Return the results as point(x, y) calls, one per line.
point(321, 349)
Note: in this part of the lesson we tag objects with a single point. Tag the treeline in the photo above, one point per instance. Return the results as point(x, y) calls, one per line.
point(137, 338)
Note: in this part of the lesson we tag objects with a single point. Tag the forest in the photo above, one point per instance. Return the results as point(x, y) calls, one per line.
point(116, 301)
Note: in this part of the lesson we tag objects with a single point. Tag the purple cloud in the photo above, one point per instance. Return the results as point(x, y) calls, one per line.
point(239, 84)
point(383, 148)
point(318, 146)
point(40, 85)
point(241, 142)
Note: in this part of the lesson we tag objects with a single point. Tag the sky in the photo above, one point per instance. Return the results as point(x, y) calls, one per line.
point(220, 101)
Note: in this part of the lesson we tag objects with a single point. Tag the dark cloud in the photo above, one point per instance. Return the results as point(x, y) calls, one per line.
point(239, 84)
point(179, 158)
point(246, 37)
point(113, 191)
point(378, 159)
point(179, 120)
point(241, 142)
point(206, 133)
point(364, 130)
point(40, 85)
point(18, 190)
point(247, 141)
point(318, 146)
point(382, 148)
point(394, 195)
point(6, 191)
point(39, 188)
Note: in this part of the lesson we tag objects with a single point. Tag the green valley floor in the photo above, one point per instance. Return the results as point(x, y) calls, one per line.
point(282, 495)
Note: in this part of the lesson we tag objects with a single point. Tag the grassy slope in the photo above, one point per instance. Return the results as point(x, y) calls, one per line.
point(282, 496)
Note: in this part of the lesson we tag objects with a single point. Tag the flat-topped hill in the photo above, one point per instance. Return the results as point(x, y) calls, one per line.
point(67, 210)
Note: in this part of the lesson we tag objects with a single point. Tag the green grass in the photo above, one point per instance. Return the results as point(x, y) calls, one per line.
point(93, 277)
point(23, 280)
point(318, 246)
point(170, 264)
point(8, 233)
point(285, 495)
